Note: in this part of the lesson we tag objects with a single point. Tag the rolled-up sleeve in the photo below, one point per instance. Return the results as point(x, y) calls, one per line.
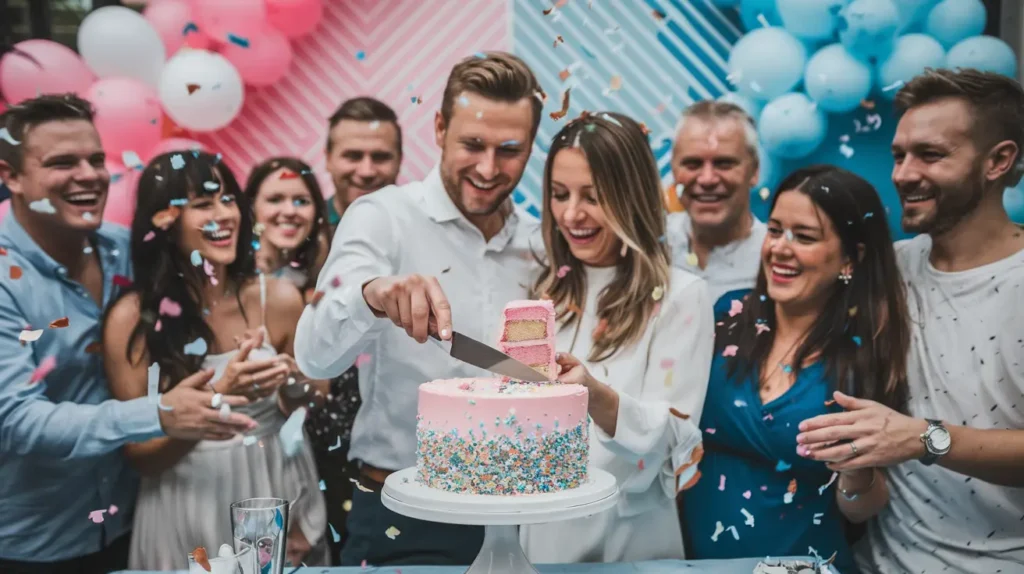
point(658, 431)
point(333, 331)
point(32, 425)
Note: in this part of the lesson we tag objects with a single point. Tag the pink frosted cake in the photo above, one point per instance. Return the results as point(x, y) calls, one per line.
point(528, 335)
point(490, 436)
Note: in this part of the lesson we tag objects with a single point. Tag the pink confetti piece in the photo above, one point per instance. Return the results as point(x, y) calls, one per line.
point(640, 464)
point(97, 516)
point(721, 482)
point(44, 368)
point(730, 351)
point(149, 236)
point(169, 307)
point(336, 282)
point(735, 308)
point(764, 489)
point(112, 510)
point(363, 564)
point(709, 431)
point(208, 268)
point(563, 271)
point(762, 327)
point(746, 495)
point(362, 359)
point(667, 363)
point(768, 417)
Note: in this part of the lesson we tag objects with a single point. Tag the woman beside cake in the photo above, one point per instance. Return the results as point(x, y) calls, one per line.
point(198, 304)
point(632, 330)
point(828, 313)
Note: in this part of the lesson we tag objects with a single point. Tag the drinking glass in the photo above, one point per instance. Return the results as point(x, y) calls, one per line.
point(243, 562)
point(261, 524)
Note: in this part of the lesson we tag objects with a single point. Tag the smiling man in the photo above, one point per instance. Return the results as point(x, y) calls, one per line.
point(715, 165)
point(400, 254)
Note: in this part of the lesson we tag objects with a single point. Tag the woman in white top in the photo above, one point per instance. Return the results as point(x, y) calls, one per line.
point(641, 329)
point(197, 304)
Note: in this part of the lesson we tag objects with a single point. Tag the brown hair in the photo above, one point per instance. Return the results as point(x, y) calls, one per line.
point(19, 119)
point(496, 76)
point(363, 109)
point(715, 111)
point(628, 190)
point(996, 103)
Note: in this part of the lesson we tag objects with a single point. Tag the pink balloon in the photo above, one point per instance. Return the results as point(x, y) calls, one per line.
point(172, 144)
point(173, 21)
point(265, 61)
point(120, 206)
point(294, 18)
point(59, 70)
point(230, 20)
point(127, 115)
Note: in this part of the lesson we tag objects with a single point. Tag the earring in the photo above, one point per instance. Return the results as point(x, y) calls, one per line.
point(845, 277)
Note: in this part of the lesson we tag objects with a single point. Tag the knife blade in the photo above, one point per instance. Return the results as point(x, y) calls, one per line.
point(469, 350)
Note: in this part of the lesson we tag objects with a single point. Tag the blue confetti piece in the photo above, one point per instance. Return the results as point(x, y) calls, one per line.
point(857, 340)
point(480, 55)
point(291, 435)
point(278, 519)
point(782, 466)
point(177, 162)
point(115, 177)
point(868, 214)
point(189, 28)
point(180, 202)
point(587, 52)
point(334, 533)
point(196, 258)
point(238, 40)
point(211, 226)
point(463, 101)
point(323, 486)
point(763, 298)
point(360, 55)
point(197, 347)
point(211, 185)
point(255, 245)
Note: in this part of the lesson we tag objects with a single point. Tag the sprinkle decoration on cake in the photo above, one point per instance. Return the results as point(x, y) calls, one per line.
point(500, 437)
point(528, 335)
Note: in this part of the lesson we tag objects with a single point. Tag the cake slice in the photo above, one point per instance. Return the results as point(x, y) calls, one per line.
point(528, 335)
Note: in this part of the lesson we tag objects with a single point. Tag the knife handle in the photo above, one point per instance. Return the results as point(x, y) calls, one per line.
point(446, 346)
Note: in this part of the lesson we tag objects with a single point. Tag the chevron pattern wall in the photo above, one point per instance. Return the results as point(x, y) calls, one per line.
point(645, 58)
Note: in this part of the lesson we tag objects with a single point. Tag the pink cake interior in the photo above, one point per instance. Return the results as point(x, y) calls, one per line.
point(528, 335)
point(533, 355)
point(529, 311)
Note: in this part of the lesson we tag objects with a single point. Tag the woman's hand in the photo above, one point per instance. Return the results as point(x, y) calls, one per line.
point(602, 402)
point(255, 379)
point(572, 372)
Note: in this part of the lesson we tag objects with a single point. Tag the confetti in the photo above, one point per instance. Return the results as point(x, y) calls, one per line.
point(336, 445)
point(730, 351)
point(829, 403)
point(97, 516)
point(615, 84)
point(149, 236)
point(60, 323)
point(846, 150)
point(131, 159)
point(192, 88)
point(640, 464)
point(852, 311)
point(362, 360)
point(739, 403)
point(7, 137)
point(563, 271)
point(392, 532)
point(856, 340)
point(721, 482)
point(765, 193)
point(360, 55)
point(334, 533)
point(675, 412)
point(719, 529)
point(710, 430)
point(94, 348)
point(790, 492)
point(238, 40)
point(45, 367)
point(746, 494)
point(189, 27)
point(165, 218)
point(761, 327)
point(748, 516)
point(417, 100)
point(824, 487)
point(169, 308)
point(27, 336)
point(199, 555)
point(735, 308)
point(42, 206)
point(667, 363)
point(122, 281)
point(358, 485)
point(668, 379)
point(658, 293)
point(196, 258)
point(197, 347)
point(564, 74)
point(317, 296)
point(692, 260)
point(893, 86)
point(463, 101)
point(211, 186)
point(557, 115)
point(347, 506)
point(735, 534)
point(782, 466)
point(558, 40)
point(112, 510)
point(817, 517)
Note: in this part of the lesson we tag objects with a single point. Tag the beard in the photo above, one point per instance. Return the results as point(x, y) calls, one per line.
point(452, 186)
point(952, 205)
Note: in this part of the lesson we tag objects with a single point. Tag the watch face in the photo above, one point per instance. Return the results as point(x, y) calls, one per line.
point(939, 439)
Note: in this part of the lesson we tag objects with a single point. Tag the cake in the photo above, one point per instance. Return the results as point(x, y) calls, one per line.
point(500, 437)
point(528, 335)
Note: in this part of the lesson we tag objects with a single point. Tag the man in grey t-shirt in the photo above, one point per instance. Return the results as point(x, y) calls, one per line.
point(715, 165)
point(946, 483)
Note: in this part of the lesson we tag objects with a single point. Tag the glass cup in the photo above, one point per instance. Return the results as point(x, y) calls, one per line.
point(243, 562)
point(261, 524)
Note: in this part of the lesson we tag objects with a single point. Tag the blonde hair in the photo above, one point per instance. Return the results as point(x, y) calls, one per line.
point(715, 111)
point(496, 76)
point(628, 189)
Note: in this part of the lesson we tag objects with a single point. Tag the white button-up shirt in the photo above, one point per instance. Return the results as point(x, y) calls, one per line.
point(729, 267)
point(414, 228)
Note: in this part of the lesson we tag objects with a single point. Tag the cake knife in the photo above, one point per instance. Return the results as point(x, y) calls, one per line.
point(469, 350)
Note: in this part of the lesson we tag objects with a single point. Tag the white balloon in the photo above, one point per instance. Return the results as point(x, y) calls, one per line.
point(201, 90)
point(118, 41)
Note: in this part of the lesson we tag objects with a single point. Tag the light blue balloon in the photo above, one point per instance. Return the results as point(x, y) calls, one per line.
point(912, 54)
point(837, 80)
point(792, 126)
point(811, 19)
point(726, 3)
point(913, 11)
point(1013, 202)
point(867, 28)
point(986, 53)
point(770, 170)
point(752, 12)
point(767, 63)
point(749, 105)
point(954, 20)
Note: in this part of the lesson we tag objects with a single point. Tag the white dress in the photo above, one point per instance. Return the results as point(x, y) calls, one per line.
point(667, 368)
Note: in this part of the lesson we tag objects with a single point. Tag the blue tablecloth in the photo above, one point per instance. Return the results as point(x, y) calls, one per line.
point(738, 566)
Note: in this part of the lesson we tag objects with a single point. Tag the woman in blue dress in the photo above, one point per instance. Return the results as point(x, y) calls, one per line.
point(828, 314)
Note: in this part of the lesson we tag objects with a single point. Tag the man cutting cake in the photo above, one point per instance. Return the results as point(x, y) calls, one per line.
point(398, 255)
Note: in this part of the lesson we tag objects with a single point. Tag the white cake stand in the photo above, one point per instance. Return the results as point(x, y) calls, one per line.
point(500, 515)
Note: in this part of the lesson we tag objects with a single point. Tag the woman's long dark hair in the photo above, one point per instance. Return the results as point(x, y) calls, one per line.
point(163, 271)
point(863, 331)
point(305, 257)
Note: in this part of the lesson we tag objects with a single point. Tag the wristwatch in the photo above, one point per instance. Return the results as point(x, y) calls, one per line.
point(936, 441)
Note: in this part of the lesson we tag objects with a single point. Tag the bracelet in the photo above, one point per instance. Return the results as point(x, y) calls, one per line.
point(856, 495)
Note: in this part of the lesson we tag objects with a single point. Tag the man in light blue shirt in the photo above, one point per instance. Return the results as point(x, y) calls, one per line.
point(67, 496)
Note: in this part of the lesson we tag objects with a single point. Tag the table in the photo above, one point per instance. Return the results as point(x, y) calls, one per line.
point(736, 566)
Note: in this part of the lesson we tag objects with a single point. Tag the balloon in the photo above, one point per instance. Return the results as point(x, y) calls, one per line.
point(813, 19)
point(770, 170)
point(200, 90)
point(913, 11)
point(767, 63)
point(228, 20)
point(837, 80)
point(757, 14)
point(294, 18)
point(792, 126)
point(57, 70)
point(1013, 202)
point(986, 53)
point(264, 61)
point(118, 41)
point(172, 144)
point(749, 105)
point(120, 206)
point(867, 28)
point(127, 115)
point(172, 20)
point(955, 20)
point(912, 54)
